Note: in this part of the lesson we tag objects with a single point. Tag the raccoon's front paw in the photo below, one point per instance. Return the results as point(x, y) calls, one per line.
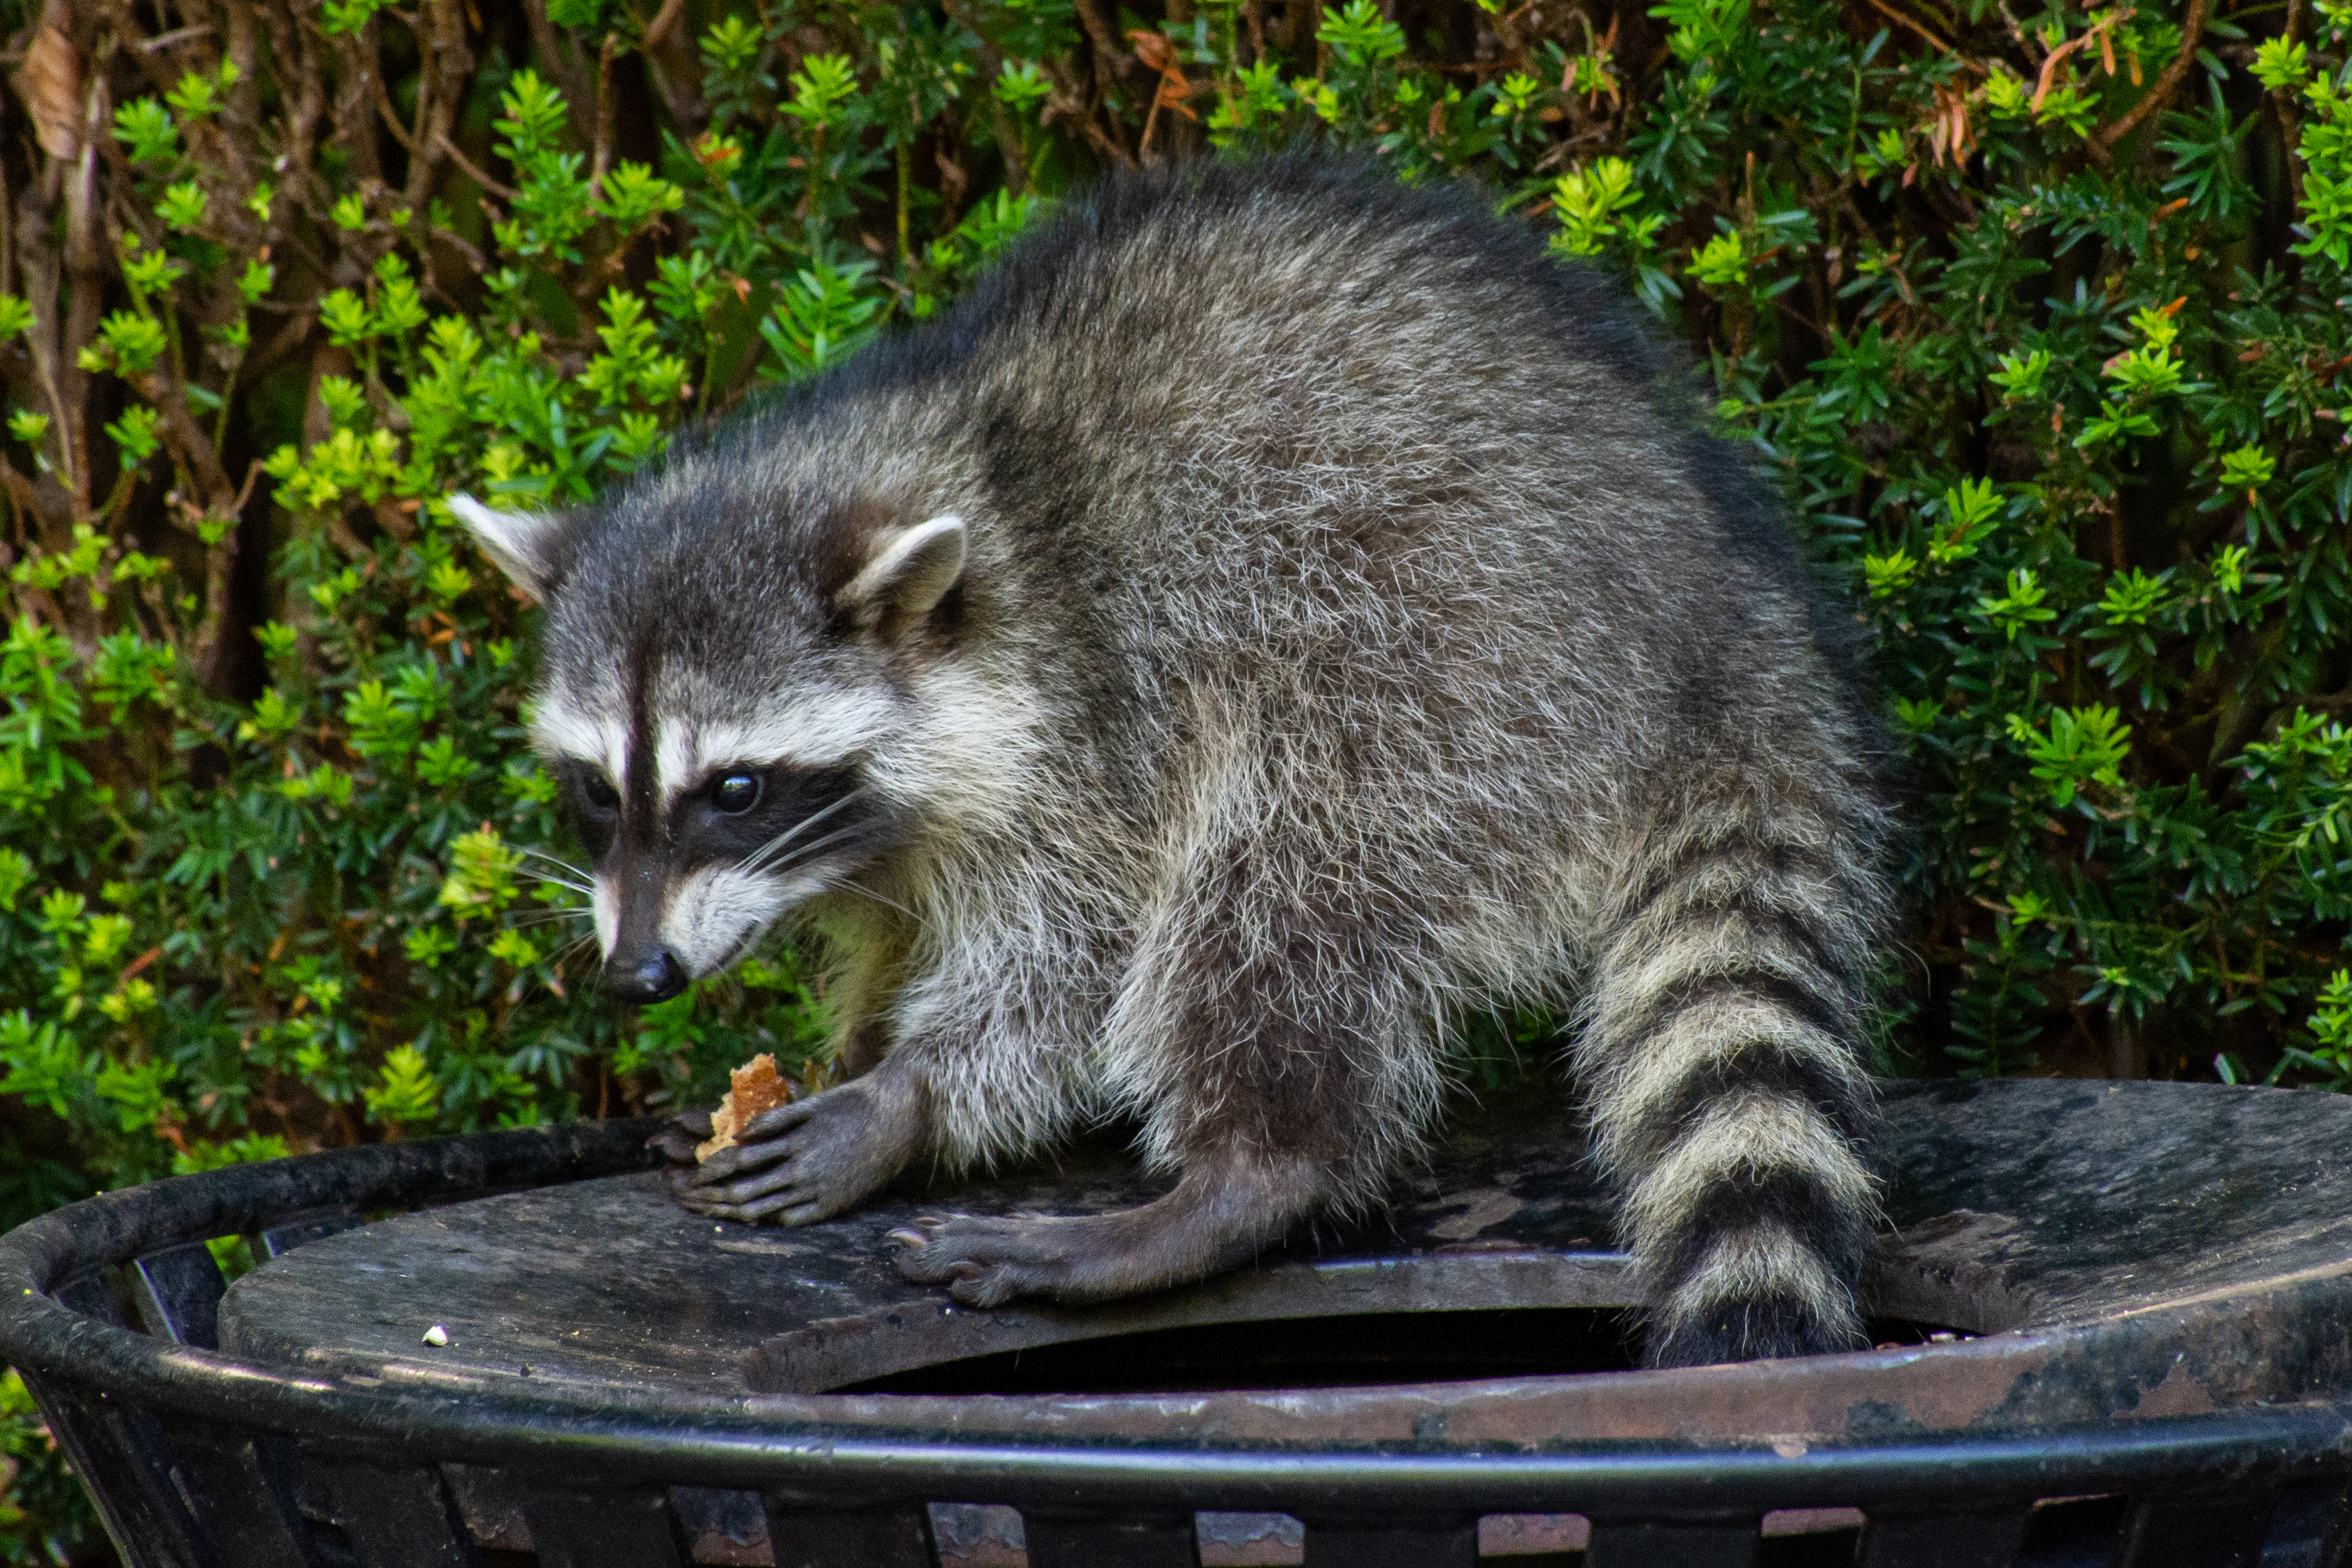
point(987, 1262)
point(802, 1162)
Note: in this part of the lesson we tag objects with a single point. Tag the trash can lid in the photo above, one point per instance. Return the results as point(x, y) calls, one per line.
point(2057, 1252)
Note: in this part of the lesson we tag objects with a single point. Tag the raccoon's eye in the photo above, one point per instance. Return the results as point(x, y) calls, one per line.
point(600, 794)
point(735, 793)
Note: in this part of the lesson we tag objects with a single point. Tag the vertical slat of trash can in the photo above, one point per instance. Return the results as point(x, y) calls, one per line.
point(119, 1454)
point(1435, 1540)
point(896, 1536)
point(2336, 1534)
point(120, 1465)
point(395, 1515)
point(2311, 1524)
point(596, 1530)
point(278, 1240)
point(1975, 1540)
point(241, 1499)
point(240, 1488)
point(2213, 1532)
point(179, 1291)
point(1110, 1541)
point(1639, 1543)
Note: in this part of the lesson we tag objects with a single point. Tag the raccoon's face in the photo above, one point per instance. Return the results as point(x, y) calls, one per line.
point(715, 718)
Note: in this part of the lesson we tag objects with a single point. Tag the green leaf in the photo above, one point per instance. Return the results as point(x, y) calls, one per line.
point(144, 128)
point(405, 1091)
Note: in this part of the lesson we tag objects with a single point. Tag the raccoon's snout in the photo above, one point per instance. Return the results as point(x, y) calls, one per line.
point(654, 979)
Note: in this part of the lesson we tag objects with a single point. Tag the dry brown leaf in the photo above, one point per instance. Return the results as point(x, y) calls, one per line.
point(1153, 50)
point(50, 85)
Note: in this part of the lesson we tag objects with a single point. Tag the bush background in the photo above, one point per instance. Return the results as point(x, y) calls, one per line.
point(2036, 312)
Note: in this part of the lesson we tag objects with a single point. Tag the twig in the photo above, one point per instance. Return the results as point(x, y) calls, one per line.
point(601, 161)
point(664, 20)
point(2049, 62)
point(441, 140)
point(244, 492)
point(391, 119)
point(466, 248)
point(564, 63)
point(1892, 15)
point(2192, 33)
point(1110, 59)
point(176, 36)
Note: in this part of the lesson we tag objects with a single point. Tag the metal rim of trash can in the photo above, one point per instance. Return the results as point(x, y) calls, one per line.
point(675, 1439)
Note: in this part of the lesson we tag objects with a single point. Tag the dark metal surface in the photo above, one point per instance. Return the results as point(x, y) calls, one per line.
point(2159, 1275)
point(2186, 1257)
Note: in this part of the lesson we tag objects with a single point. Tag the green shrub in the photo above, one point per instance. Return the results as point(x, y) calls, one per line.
point(2037, 316)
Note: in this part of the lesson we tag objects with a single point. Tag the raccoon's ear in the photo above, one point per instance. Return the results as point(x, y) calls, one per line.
point(530, 547)
point(908, 573)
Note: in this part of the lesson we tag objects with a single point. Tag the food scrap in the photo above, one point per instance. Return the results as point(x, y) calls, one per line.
point(758, 1087)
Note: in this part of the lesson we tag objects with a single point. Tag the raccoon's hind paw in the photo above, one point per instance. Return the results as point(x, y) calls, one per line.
point(987, 1262)
point(802, 1161)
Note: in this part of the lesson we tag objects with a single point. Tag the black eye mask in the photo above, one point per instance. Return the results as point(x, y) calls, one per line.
point(594, 803)
point(768, 817)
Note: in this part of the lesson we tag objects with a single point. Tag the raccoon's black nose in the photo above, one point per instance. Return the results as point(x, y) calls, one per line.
point(655, 979)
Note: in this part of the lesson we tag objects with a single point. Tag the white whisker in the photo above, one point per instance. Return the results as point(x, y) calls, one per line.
point(847, 885)
point(555, 860)
point(800, 855)
point(564, 954)
point(543, 917)
point(757, 857)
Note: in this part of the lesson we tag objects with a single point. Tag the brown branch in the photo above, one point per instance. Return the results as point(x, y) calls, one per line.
point(191, 451)
point(161, 73)
point(391, 117)
point(675, 71)
point(445, 64)
point(1110, 60)
point(658, 31)
point(211, 641)
point(599, 160)
point(475, 261)
point(21, 499)
point(564, 63)
point(302, 105)
point(1000, 123)
point(1892, 15)
point(89, 265)
point(2050, 61)
point(176, 36)
point(465, 166)
point(2192, 32)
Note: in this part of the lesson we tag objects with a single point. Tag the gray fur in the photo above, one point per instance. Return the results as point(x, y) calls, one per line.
point(1344, 631)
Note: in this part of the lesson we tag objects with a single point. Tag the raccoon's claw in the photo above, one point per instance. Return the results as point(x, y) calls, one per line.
point(778, 1206)
point(988, 1262)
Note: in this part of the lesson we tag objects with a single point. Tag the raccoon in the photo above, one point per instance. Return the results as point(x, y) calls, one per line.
point(1277, 614)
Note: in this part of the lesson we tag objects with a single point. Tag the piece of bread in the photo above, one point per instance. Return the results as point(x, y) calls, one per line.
point(758, 1087)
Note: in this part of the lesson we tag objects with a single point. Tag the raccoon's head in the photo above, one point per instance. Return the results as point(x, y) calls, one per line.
point(725, 689)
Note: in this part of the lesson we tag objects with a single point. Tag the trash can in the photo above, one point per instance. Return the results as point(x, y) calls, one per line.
point(2113, 1321)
